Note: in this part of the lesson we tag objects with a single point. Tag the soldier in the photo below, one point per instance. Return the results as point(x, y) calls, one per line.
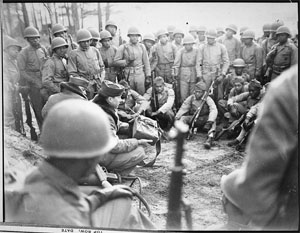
point(55, 69)
point(163, 55)
point(232, 44)
point(252, 54)
point(13, 116)
point(185, 67)
point(213, 61)
point(178, 36)
point(30, 62)
point(86, 62)
point(267, 32)
point(133, 103)
point(133, 56)
point(161, 102)
point(51, 195)
point(242, 29)
point(112, 27)
point(171, 30)
point(268, 43)
point(75, 88)
point(201, 36)
point(283, 55)
point(208, 115)
point(149, 41)
point(108, 53)
point(193, 31)
point(127, 153)
point(220, 31)
point(95, 37)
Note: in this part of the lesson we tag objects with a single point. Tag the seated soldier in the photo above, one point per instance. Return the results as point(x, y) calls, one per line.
point(236, 105)
point(208, 115)
point(124, 157)
point(75, 136)
point(133, 103)
point(161, 102)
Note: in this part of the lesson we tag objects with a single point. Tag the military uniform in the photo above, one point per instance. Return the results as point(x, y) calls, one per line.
point(53, 73)
point(87, 64)
point(178, 46)
point(286, 55)
point(163, 60)
point(185, 69)
point(108, 55)
point(233, 46)
point(30, 62)
point(136, 62)
point(253, 57)
point(199, 43)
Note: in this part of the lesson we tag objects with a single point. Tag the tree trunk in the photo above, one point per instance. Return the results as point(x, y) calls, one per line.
point(21, 25)
point(68, 14)
point(50, 11)
point(99, 17)
point(107, 12)
point(7, 24)
point(25, 15)
point(82, 10)
point(75, 16)
point(34, 17)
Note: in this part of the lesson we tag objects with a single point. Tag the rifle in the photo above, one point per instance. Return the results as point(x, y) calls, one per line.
point(231, 127)
point(71, 41)
point(175, 190)
point(17, 112)
point(270, 61)
point(176, 89)
point(248, 131)
point(154, 100)
point(50, 38)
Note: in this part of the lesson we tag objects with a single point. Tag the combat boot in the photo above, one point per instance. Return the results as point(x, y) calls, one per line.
point(233, 143)
point(208, 142)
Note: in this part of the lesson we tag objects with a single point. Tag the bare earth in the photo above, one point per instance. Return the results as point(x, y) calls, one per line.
point(201, 183)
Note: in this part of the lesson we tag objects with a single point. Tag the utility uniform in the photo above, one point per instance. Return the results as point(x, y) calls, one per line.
point(233, 46)
point(108, 55)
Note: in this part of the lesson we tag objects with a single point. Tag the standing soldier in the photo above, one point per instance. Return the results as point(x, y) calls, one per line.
point(201, 36)
point(283, 55)
point(95, 37)
point(252, 54)
point(86, 62)
point(108, 52)
point(267, 32)
point(232, 44)
point(244, 28)
point(178, 36)
point(163, 56)
point(133, 56)
point(185, 67)
point(208, 115)
point(30, 61)
point(149, 41)
point(193, 31)
point(170, 30)
point(13, 116)
point(112, 27)
point(268, 43)
point(213, 61)
point(55, 69)
point(220, 31)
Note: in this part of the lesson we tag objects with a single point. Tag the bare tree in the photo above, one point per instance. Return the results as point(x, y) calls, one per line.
point(25, 14)
point(99, 17)
point(34, 17)
point(75, 16)
point(49, 8)
point(66, 5)
point(55, 12)
point(107, 11)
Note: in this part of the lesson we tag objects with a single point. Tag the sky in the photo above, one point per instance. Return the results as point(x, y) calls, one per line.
point(149, 17)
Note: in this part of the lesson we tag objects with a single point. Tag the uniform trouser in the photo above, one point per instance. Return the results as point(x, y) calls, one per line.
point(218, 87)
point(165, 71)
point(123, 163)
point(111, 76)
point(136, 80)
point(165, 120)
point(222, 107)
point(37, 104)
point(227, 86)
point(187, 77)
point(250, 69)
point(236, 111)
point(201, 121)
point(120, 214)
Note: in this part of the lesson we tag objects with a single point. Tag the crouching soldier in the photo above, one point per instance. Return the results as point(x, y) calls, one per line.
point(55, 69)
point(208, 115)
point(161, 102)
point(72, 153)
point(127, 153)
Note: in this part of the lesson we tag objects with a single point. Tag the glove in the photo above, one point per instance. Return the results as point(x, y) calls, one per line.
point(208, 125)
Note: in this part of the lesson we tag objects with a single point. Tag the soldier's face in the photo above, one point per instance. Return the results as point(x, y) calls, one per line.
point(134, 39)
point(199, 94)
point(84, 44)
point(159, 87)
point(254, 92)
point(178, 38)
point(94, 42)
point(111, 29)
point(61, 51)
point(210, 41)
point(229, 33)
point(148, 44)
point(163, 39)
point(106, 43)
point(282, 38)
point(188, 47)
point(238, 86)
point(201, 35)
point(247, 41)
point(114, 101)
point(34, 41)
point(13, 51)
point(238, 70)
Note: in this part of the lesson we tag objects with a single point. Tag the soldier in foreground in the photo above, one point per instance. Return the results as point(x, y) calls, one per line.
point(51, 195)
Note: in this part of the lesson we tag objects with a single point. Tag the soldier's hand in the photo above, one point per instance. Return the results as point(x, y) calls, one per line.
point(144, 141)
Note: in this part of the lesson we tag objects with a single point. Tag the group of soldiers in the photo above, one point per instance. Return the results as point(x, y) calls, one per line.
point(168, 76)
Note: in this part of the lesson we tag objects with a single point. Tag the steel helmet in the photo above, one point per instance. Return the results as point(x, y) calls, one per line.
point(267, 27)
point(239, 63)
point(248, 34)
point(282, 30)
point(133, 31)
point(8, 41)
point(201, 29)
point(161, 32)
point(220, 29)
point(95, 34)
point(78, 129)
point(149, 36)
point(105, 35)
point(243, 29)
point(83, 35)
point(178, 31)
point(232, 27)
point(211, 33)
point(111, 23)
point(171, 28)
point(31, 32)
point(193, 28)
point(188, 39)
point(58, 42)
point(275, 26)
point(58, 28)
point(280, 22)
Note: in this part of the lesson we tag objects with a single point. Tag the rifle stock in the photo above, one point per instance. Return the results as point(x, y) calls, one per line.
point(154, 100)
point(230, 127)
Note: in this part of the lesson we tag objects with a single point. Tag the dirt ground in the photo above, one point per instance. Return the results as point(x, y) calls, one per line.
point(201, 182)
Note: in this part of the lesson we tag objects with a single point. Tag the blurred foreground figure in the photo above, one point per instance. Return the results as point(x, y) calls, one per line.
point(51, 195)
point(263, 193)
